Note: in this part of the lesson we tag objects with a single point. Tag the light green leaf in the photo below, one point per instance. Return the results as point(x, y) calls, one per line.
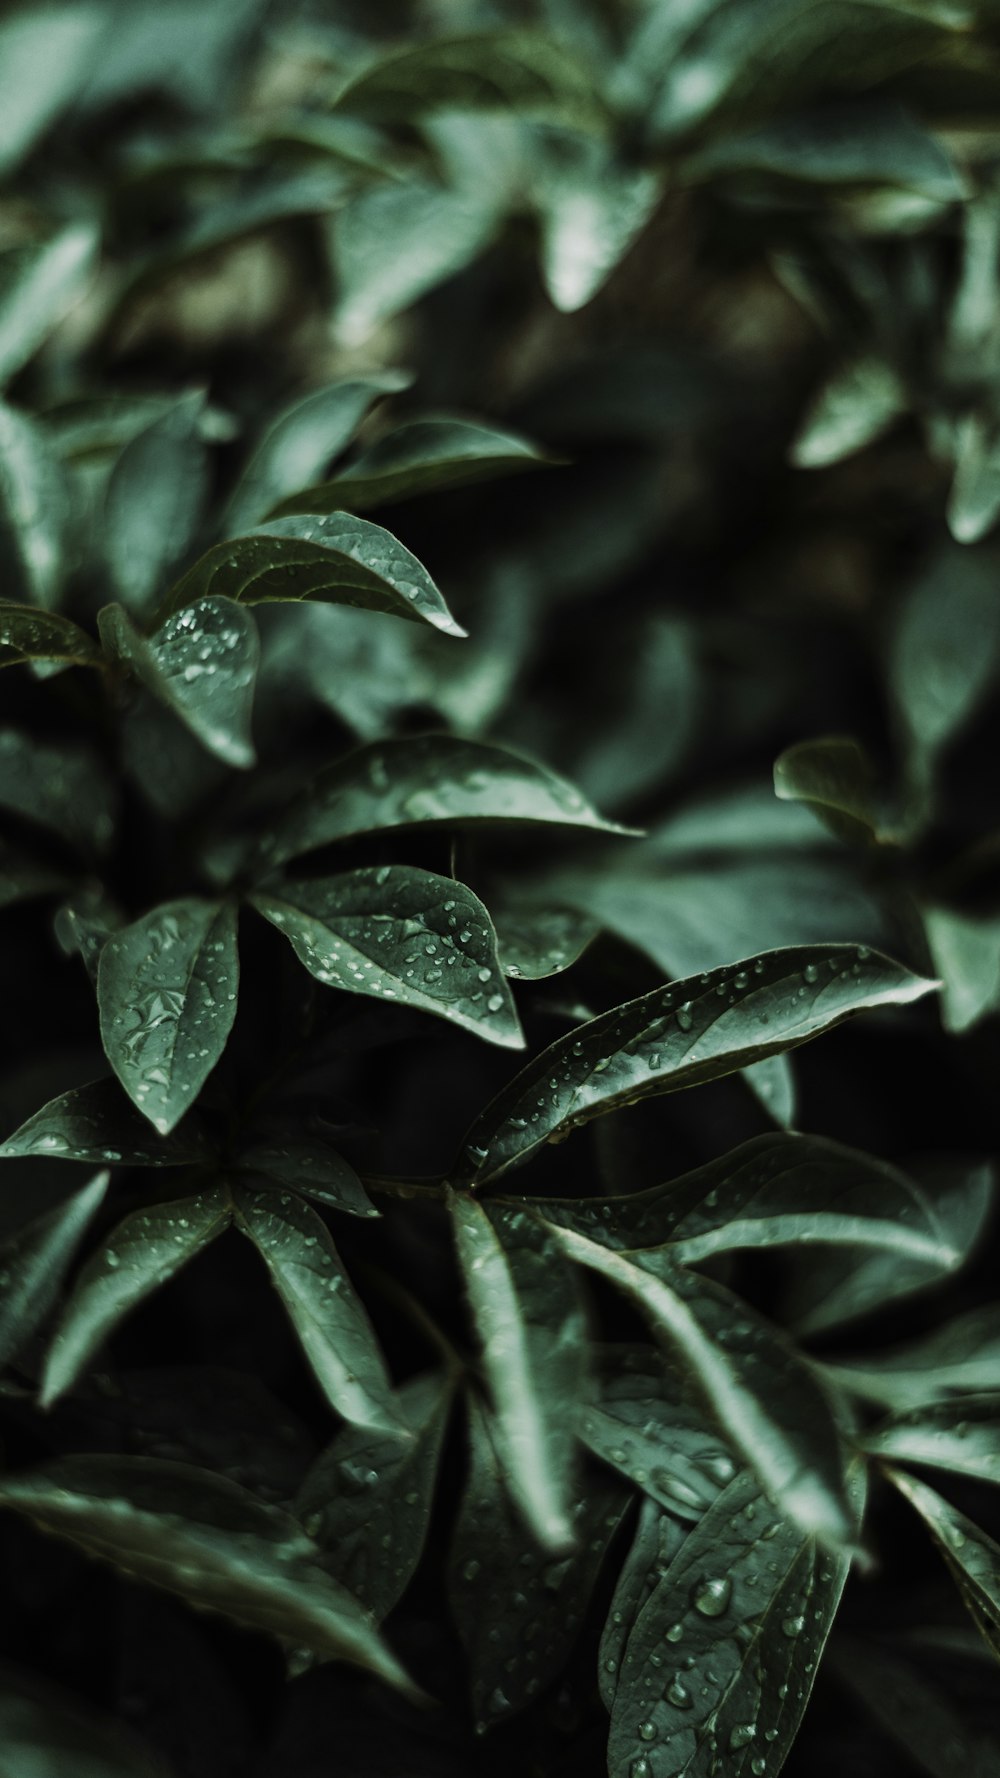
point(490, 71)
point(338, 557)
point(367, 1499)
point(326, 1313)
point(502, 1585)
point(45, 1733)
point(675, 1037)
point(966, 955)
point(423, 780)
point(649, 1422)
point(29, 634)
point(45, 54)
point(859, 403)
point(741, 1615)
point(532, 1334)
point(303, 1157)
point(591, 206)
point(38, 286)
point(399, 934)
point(972, 1556)
point(62, 786)
point(657, 1539)
point(304, 438)
point(755, 1382)
point(974, 499)
point(97, 1124)
point(154, 502)
point(397, 241)
point(962, 1436)
point(34, 1262)
point(416, 458)
point(961, 1357)
point(166, 989)
point(208, 1540)
point(201, 664)
point(772, 1082)
point(34, 509)
point(835, 778)
point(143, 1252)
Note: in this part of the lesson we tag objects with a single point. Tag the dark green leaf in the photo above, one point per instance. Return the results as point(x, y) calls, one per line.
point(403, 935)
point(592, 207)
point(537, 941)
point(772, 1082)
point(905, 1702)
point(966, 953)
point(416, 458)
point(45, 1733)
point(396, 242)
point(28, 634)
point(963, 1436)
point(34, 1262)
point(38, 286)
point(489, 71)
point(962, 1357)
point(835, 778)
point(367, 1499)
point(649, 1422)
point(676, 1037)
point(201, 665)
point(945, 651)
point(34, 510)
point(23, 878)
point(154, 503)
point(209, 1540)
point(97, 1124)
point(166, 988)
point(657, 1539)
point(303, 1157)
point(757, 1385)
point(422, 781)
point(859, 403)
point(972, 1556)
point(347, 560)
point(137, 1257)
point(64, 787)
point(531, 1330)
point(322, 1305)
point(875, 143)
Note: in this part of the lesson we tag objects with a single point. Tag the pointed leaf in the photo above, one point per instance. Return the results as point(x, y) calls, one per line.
point(322, 1305)
point(207, 1539)
point(972, 1556)
point(692, 1031)
point(657, 1539)
point(202, 665)
point(300, 443)
point(592, 207)
point(422, 781)
point(34, 1262)
point(415, 459)
point(399, 239)
point(743, 1611)
point(859, 403)
point(974, 499)
point(531, 1329)
point(403, 935)
point(28, 634)
point(34, 510)
point(649, 1422)
point(45, 57)
point(835, 778)
point(963, 1436)
point(154, 502)
point(303, 1157)
point(340, 558)
point(166, 989)
point(772, 1082)
point(367, 1499)
point(64, 787)
point(143, 1252)
point(96, 1123)
point(38, 286)
point(966, 953)
point(961, 1357)
point(755, 1382)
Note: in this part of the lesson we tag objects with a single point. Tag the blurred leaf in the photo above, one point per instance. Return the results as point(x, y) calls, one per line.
point(693, 1031)
point(45, 52)
point(206, 1539)
point(27, 634)
point(966, 954)
point(962, 1436)
point(96, 1123)
point(142, 1253)
point(166, 989)
point(62, 787)
point(859, 403)
point(23, 878)
point(960, 1357)
point(945, 651)
point(416, 458)
point(202, 665)
point(592, 206)
point(835, 778)
point(45, 1733)
point(154, 503)
point(38, 286)
point(531, 1331)
point(974, 499)
point(34, 1262)
point(772, 1082)
point(394, 243)
point(496, 69)
point(917, 1714)
point(972, 1556)
point(34, 509)
point(872, 143)
point(648, 1420)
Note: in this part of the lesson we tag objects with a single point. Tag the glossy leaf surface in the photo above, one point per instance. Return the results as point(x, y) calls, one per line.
point(34, 1262)
point(414, 459)
point(201, 665)
point(99, 1125)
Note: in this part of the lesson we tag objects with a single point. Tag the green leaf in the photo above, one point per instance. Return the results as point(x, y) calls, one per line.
point(154, 502)
point(649, 1422)
point(519, 1609)
point(28, 634)
point(859, 403)
point(874, 143)
point(835, 778)
point(201, 664)
point(143, 1252)
point(302, 1156)
point(403, 935)
point(755, 1382)
point(97, 1124)
point(304, 438)
point(347, 560)
point(974, 499)
point(536, 941)
point(34, 510)
point(44, 1733)
point(966, 955)
point(962, 1436)
point(208, 1540)
point(901, 1696)
point(489, 71)
point(326, 1313)
point(772, 1082)
point(532, 1335)
point(63, 786)
point(166, 989)
point(367, 1499)
point(945, 651)
point(680, 1036)
point(972, 1556)
point(422, 781)
point(657, 1539)
point(592, 207)
point(38, 286)
point(45, 55)
point(416, 458)
point(34, 1263)
point(961, 1357)
point(742, 1615)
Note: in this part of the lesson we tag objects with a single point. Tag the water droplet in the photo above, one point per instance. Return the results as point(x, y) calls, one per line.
point(741, 1736)
point(711, 1596)
point(647, 1730)
point(684, 1018)
point(674, 1633)
point(678, 1695)
point(793, 1626)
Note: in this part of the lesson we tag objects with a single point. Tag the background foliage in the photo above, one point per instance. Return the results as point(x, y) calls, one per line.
point(497, 512)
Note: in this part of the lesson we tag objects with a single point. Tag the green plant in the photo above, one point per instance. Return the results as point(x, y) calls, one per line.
point(473, 1407)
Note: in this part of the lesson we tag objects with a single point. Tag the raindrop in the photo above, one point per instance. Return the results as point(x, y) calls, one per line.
point(711, 1596)
point(647, 1730)
point(792, 1626)
point(678, 1695)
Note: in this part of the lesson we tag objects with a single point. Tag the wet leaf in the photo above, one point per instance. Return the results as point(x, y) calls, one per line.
point(676, 1037)
point(962, 1436)
point(657, 1539)
point(142, 1253)
point(201, 665)
point(206, 1539)
point(971, 1555)
point(39, 284)
point(648, 1421)
point(531, 1331)
point(304, 1158)
point(28, 634)
point(322, 1305)
point(154, 503)
point(416, 458)
point(166, 989)
point(537, 941)
point(34, 1262)
point(98, 1124)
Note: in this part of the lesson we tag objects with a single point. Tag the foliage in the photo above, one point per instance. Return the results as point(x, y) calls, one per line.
point(498, 522)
